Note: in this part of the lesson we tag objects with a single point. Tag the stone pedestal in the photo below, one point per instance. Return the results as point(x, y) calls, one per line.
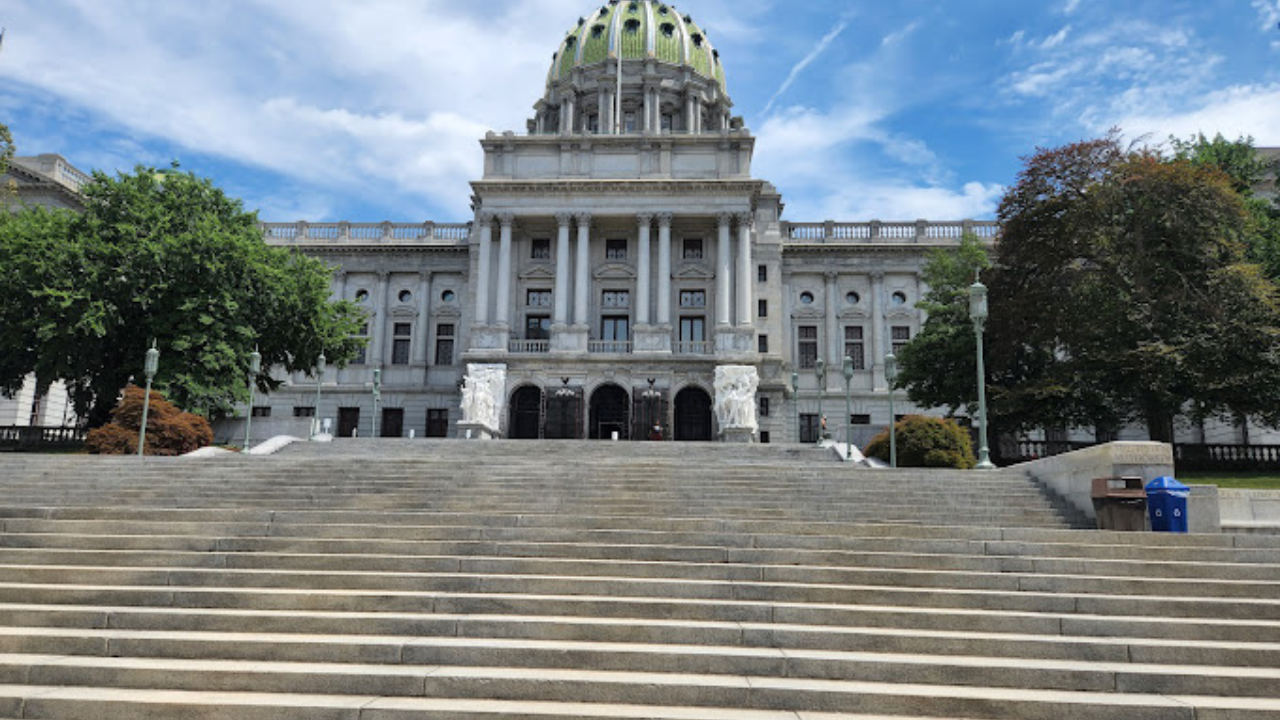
point(653, 339)
point(569, 338)
point(476, 431)
point(735, 342)
point(739, 436)
point(490, 337)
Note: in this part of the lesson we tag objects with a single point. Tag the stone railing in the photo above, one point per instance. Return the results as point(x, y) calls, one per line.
point(693, 347)
point(1227, 457)
point(529, 347)
point(921, 231)
point(386, 232)
point(609, 347)
point(36, 438)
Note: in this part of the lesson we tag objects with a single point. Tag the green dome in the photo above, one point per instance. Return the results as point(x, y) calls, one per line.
point(637, 30)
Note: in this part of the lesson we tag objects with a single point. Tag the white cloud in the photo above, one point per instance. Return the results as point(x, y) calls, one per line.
point(1252, 110)
point(805, 62)
point(1070, 7)
point(1268, 13)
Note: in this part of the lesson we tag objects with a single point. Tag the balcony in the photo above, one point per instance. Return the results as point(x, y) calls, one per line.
point(876, 232)
point(609, 347)
point(529, 347)
point(693, 348)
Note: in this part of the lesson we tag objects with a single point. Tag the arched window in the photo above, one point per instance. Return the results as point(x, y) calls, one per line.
point(668, 30)
point(597, 31)
point(633, 26)
point(697, 39)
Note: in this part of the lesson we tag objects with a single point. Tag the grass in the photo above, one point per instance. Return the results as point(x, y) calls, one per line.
point(1243, 480)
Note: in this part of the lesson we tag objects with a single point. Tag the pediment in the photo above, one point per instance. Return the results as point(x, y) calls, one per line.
point(538, 272)
point(694, 272)
point(447, 311)
point(807, 313)
point(615, 271)
point(404, 312)
point(902, 312)
point(855, 313)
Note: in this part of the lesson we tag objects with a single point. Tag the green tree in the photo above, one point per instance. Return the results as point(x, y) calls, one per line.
point(6, 154)
point(939, 365)
point(160, 257)
point(1122, 292)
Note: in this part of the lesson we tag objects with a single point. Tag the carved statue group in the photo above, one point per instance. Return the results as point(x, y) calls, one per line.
point(483, 390)
point(735, 403)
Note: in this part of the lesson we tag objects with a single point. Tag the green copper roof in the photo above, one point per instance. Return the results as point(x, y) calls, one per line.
point(637, 29)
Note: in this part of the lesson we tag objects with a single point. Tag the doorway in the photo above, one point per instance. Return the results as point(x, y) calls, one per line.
point(392, 422)
point(348, 421)
point(693, 415)
point(610, 413)
point(526, 413)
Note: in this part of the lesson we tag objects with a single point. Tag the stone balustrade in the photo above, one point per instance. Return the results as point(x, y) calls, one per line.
point(386, 232)
point(921, 231)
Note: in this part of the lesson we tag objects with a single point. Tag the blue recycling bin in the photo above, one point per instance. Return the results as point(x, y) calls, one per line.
point(1167, 505)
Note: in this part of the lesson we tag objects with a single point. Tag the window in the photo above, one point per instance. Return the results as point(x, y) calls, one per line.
point(899, 299)
point(693, 329)
point(597, 31)
point(615, 299)
point(859, 419)
point(901, 336)
point(541, 249)
point(762, 308)
point(615, 249)
point(405, 296)
point(806, 298)
point(615, 328)
point(668, 122)
point(854, 347)
point(437, 423)
point(809, 424)
point(693, 298)
point(362, 295)
point(593, 123)
point(852, 298)
point(302, 412)
point(668, 30)
point(444, 344)
point(693, 249)
point(762, 273)
point(537, 327)
point(764, 437)
point(360, 354)
point(808, 346)
point(400, 344)
point(448, 296)
point(764, 407)
point(629, 122)
point(538, 298)
point(762, 344)
point(261, 411)
point(632, 25)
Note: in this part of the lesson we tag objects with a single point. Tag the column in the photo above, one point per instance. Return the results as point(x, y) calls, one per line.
point(746, 276)
point(380, 319)
point(648, 110)
point(643, 277)
point(664, 268)
point(422, 327)
point(563, 262)
point(689, 113)
point(504, 270)
point(582, 281)
point(877, 329)
point(340, 281)
point(724, 273)
point(573, 114)
point(835, 352)
point(482, 271)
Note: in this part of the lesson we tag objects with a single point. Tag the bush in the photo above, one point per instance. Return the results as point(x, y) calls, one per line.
point(926, 442)
point(170, 431)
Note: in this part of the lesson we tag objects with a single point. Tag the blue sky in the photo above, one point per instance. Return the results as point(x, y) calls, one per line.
point(335, 110)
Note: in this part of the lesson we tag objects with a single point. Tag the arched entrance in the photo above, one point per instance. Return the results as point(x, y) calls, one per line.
point(526, 414)
point(610, 413)
point(693, 415)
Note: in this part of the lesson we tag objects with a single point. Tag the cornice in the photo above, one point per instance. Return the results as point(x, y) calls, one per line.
point(588, 186)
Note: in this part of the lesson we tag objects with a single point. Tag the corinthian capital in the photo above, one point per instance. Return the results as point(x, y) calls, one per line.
point(564, 218)
point(745, 219)
point(644, 219)
point(507, 219)
point(583, 218)
point(665, 219)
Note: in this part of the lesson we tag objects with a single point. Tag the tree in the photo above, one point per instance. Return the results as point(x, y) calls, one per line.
point(7, 150)
point(161, 257)
point(939, 365)
point(1121, 292)
point(170, 431)
point(926, 442)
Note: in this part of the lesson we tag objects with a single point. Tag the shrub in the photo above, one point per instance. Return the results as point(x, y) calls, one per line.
point(170, 431)
point(926, 442)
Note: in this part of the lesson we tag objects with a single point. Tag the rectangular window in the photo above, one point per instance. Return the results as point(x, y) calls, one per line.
point(668, 122)
point(859, 419)
point(693, 329)
point(615, 299)
point(437, 423)
point(762, 273)
point(538, 298)
point(901, 336)
point(259, 411)
point(808, 347)
point(593, 124)
point(764, 437)
point(764, 407)
point(400, 344)
point(762, 308)
point(809, 424)
point(854, 347)
point(537, 327)
point(615, 328)
point(693, 298)
point(615, 249)
point(693, 249)
point(629, 122)
point(444, 344)
point(364, 346)
point(762, 344)
point(541, 249)
point(304, 412)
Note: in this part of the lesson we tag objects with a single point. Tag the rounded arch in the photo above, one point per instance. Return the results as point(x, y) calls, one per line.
point(693, 415)
point(610, 412)
point(525, 408)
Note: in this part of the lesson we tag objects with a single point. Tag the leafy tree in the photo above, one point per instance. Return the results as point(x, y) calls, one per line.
point(6, 154)
point(160, 257)
point(170, 431)
point(926, 442)
point(939, 365)
point(1121, 292)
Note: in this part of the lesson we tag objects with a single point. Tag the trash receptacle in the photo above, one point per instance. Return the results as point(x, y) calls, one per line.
point(1167, 502)
point(1120, 503)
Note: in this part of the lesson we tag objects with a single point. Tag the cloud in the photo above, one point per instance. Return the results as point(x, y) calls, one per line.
point(1252, 110)
point(1268, 13)
point(799, 67)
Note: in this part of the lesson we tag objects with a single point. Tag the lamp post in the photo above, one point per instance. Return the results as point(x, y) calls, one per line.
point(821, 370)
point(255, 365)
point(321, 362)
point(891, 375)
point(795, 400)
point(149, 367)
point(978, 312)
point(377, 395)
point(848, 409)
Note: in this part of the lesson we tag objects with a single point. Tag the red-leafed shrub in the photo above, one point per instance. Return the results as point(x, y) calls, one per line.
point(170, 431)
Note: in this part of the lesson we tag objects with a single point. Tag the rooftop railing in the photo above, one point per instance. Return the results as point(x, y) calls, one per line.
point(921, 231)
point(386, 232)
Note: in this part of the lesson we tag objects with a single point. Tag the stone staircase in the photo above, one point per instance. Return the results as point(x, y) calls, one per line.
point(388, 580)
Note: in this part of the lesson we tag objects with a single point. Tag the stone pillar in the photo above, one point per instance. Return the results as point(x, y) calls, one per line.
point(503, 310)
point(835, 357)
point(724, 273)
point(643, 275)
point(877, 329)
point(563, 263)
point(582, 281)
point(482, 271)
point(421, 328)
point(573, 114)
point(746, 278)
point(380, 319)
point(340, 285)
point(690, 114)
point(648, 111)
point(664, 268)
